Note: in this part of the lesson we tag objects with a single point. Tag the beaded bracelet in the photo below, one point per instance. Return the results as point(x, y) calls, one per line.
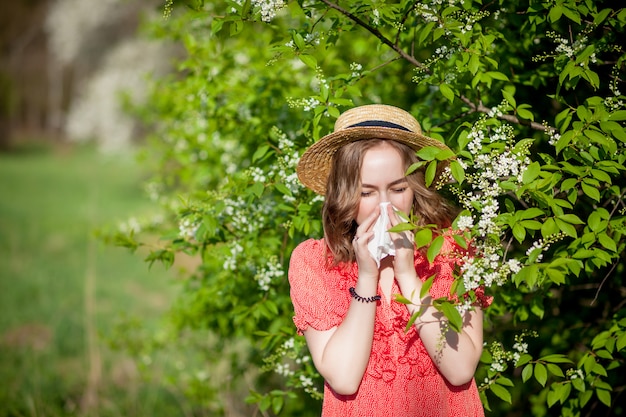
point(363, 299)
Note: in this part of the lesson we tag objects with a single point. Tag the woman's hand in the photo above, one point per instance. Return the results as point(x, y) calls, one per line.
point(404, 242)
point(367, 264)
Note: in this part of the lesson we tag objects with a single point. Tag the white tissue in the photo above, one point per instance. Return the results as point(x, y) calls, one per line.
point(381, 245)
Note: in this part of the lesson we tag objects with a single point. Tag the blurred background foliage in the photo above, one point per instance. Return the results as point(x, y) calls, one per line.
point(238, 89)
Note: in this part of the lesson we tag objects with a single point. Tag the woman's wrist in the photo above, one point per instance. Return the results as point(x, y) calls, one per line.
point(409, 284)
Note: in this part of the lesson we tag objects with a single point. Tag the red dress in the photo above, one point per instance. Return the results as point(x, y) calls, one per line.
point(401, 380)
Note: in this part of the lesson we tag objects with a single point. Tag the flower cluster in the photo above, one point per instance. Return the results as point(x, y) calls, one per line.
point(575, 373)
point(565, 48)
point(284, 169)
point(501, 357)
point(488, 269)
point(615, 102)
point(187, 228)
point(292, 361)
point(269, 8)
point(131, 225)
point(553, 134)
point(494, 160)
point(231, 262)
point(272, 269)
point(356, 70)
point(307, 104)
point(375, 17)
point(426, 12)
point(237, 213)
point(535, 251)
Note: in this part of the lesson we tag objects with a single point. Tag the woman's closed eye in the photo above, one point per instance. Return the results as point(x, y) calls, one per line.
point(399, 190)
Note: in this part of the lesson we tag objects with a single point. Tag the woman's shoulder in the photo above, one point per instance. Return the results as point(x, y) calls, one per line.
point(311, 250)
point(312, 259)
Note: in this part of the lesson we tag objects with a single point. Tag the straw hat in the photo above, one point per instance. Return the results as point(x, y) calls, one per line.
point(365, 122)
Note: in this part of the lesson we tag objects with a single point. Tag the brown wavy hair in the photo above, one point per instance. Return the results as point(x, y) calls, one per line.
point(343, 194)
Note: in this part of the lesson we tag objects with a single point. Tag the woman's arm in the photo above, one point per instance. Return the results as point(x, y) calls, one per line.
point(456, 354)
point(341, 354)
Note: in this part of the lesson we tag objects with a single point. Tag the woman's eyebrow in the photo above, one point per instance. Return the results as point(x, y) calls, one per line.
point(396, 182)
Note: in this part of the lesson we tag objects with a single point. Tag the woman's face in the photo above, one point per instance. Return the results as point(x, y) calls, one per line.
point(383, 180)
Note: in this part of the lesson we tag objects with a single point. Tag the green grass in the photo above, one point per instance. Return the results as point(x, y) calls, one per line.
point(60, 286)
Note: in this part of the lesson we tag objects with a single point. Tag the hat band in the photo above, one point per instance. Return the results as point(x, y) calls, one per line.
point(379, 123)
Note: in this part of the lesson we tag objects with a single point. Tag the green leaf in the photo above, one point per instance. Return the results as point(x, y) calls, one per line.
point(553, 395)
point(621, 341)
point(423, 237)
point(601, 175)
point(570, 218)
point(501, 392)
point(257, 189)
point(282, 188)
point(277, 404)
point(525, 114)
point(566, 228)
point(458, 173)
point(509, 98)
point(428, 153)
point(434, 248)
point(523, 359)
point(411, 321)
point(549, 228)
point(474, 63)
point(530, 213)
point(496, 75)
point(590, 191)
point(431, 171)
point(532, 171)
point(426, 286)
point(572, 14)
point(425, 32)
point(402, 227)
point(618, 116)
point(402, 299)
point(452, 314)
point(604, 396)
point(527, 372)
point(555, 13)
point(599, 18)
point(555, 358)
point(519, 232)
point(541, 374)
point(460, 240)
point(607, 242)
point(447, 92)
point(555, 370)
point(260, 152)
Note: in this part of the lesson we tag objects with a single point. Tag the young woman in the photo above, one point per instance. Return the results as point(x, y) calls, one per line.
point(344, 299)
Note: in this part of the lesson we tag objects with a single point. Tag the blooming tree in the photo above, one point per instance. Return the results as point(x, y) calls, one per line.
point(526, 93)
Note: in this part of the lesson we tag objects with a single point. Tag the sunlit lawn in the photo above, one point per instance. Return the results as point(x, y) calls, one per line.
point(59, 286)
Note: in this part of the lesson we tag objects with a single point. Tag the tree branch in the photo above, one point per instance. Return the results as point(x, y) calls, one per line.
point(410, 58)
point(481, 108)
point(602, 283)
point(376, 33)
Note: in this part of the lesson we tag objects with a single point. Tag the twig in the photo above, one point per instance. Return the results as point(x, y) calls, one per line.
point(481, 108)
point(410, 58)
point(602, 283)
point(376, 33)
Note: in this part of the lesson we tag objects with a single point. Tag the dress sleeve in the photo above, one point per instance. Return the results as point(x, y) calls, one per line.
point(317, 293)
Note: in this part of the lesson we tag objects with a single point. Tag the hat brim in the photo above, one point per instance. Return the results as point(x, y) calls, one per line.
point(314, 166)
